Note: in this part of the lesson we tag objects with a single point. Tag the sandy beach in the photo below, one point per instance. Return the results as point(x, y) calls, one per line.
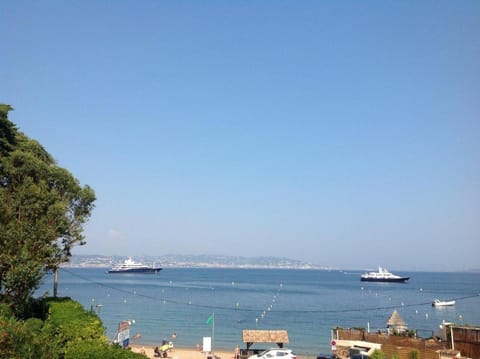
point(182, 353)
point(192, 353)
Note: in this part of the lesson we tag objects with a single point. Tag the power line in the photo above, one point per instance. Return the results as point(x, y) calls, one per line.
point(238, 309)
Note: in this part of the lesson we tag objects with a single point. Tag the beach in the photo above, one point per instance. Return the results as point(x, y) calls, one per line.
point(192, 353)
point(183, 353)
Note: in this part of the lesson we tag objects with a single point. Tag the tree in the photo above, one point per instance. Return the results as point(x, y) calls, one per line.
point(7, 131)
point(42, 212)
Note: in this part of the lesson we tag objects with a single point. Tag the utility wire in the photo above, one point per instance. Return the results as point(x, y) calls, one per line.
point(170, 301)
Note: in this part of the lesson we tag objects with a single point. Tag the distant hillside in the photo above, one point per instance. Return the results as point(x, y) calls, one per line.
point(194, 261)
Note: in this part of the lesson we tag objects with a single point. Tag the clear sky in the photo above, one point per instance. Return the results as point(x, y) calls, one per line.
point(343, 133)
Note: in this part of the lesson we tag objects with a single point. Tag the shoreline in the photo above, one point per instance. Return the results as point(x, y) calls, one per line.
point(182, 353)
point(191, 353)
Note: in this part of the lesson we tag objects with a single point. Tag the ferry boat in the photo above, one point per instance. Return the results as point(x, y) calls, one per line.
point(383, 275)
point(130, 266)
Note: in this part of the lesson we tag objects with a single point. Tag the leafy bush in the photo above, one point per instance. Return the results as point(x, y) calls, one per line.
point(414, 354)
point(378, 354)
point(90, 350)
point(69, 332)
point(5, 310)
point(24, 339)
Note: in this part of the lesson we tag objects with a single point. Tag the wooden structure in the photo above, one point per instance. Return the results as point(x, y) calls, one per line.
point(279, 337)
point(466, 339)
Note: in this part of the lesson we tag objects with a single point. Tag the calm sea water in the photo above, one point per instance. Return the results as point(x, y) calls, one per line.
point(307, 303)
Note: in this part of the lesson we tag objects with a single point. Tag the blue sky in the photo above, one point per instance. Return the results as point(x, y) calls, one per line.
point(344, 133)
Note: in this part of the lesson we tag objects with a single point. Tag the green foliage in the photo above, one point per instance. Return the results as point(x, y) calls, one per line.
point(7, 131)
point(378, 354)
point(78, 333)
point(69, 331)
point(24, 339)
point(42, 212)
point(88, 350)
point(69, 324)
point(5, 310)
point(414, 354)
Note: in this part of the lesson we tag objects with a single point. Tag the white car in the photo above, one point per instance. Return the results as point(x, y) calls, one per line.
point(275, 354)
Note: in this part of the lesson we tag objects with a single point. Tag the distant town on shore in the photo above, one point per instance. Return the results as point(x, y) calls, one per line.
point(201, 261)
point(194, 261)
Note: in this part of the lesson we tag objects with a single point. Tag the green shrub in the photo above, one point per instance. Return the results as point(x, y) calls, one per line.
point(68, 332)
point(24, 339)
point(91, 350)
point(378, 354)
point(5, 310)
point(414, 354)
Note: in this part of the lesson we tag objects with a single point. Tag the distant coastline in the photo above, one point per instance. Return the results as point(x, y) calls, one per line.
point(210, 261)
point(195, 261)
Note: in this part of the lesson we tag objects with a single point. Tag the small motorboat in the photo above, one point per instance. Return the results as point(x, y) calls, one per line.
point(442, 303)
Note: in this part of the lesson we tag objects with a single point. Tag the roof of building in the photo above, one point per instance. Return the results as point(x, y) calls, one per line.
point(265, 336)
point(395, 320)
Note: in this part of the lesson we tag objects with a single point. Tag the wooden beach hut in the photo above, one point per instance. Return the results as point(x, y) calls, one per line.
point(279, 337)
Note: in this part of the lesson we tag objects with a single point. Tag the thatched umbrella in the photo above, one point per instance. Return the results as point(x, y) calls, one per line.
point(279, 337)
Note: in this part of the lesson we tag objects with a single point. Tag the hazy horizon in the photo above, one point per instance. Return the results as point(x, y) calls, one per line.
point(319, 265)
point(344, 133)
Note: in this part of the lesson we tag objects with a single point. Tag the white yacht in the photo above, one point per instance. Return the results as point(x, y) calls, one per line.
point(130, 266)
point(383, 275)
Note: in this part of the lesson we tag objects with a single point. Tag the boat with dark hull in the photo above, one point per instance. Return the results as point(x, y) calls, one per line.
point(130, 266)
point(383, 275)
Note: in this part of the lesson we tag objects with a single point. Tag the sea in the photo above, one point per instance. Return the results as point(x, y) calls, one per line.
point(187, 304)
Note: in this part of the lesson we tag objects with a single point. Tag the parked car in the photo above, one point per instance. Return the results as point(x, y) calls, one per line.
point(275, 354)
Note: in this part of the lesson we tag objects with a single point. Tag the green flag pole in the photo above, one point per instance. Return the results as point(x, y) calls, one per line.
point(211, 320)
point(213, 330)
